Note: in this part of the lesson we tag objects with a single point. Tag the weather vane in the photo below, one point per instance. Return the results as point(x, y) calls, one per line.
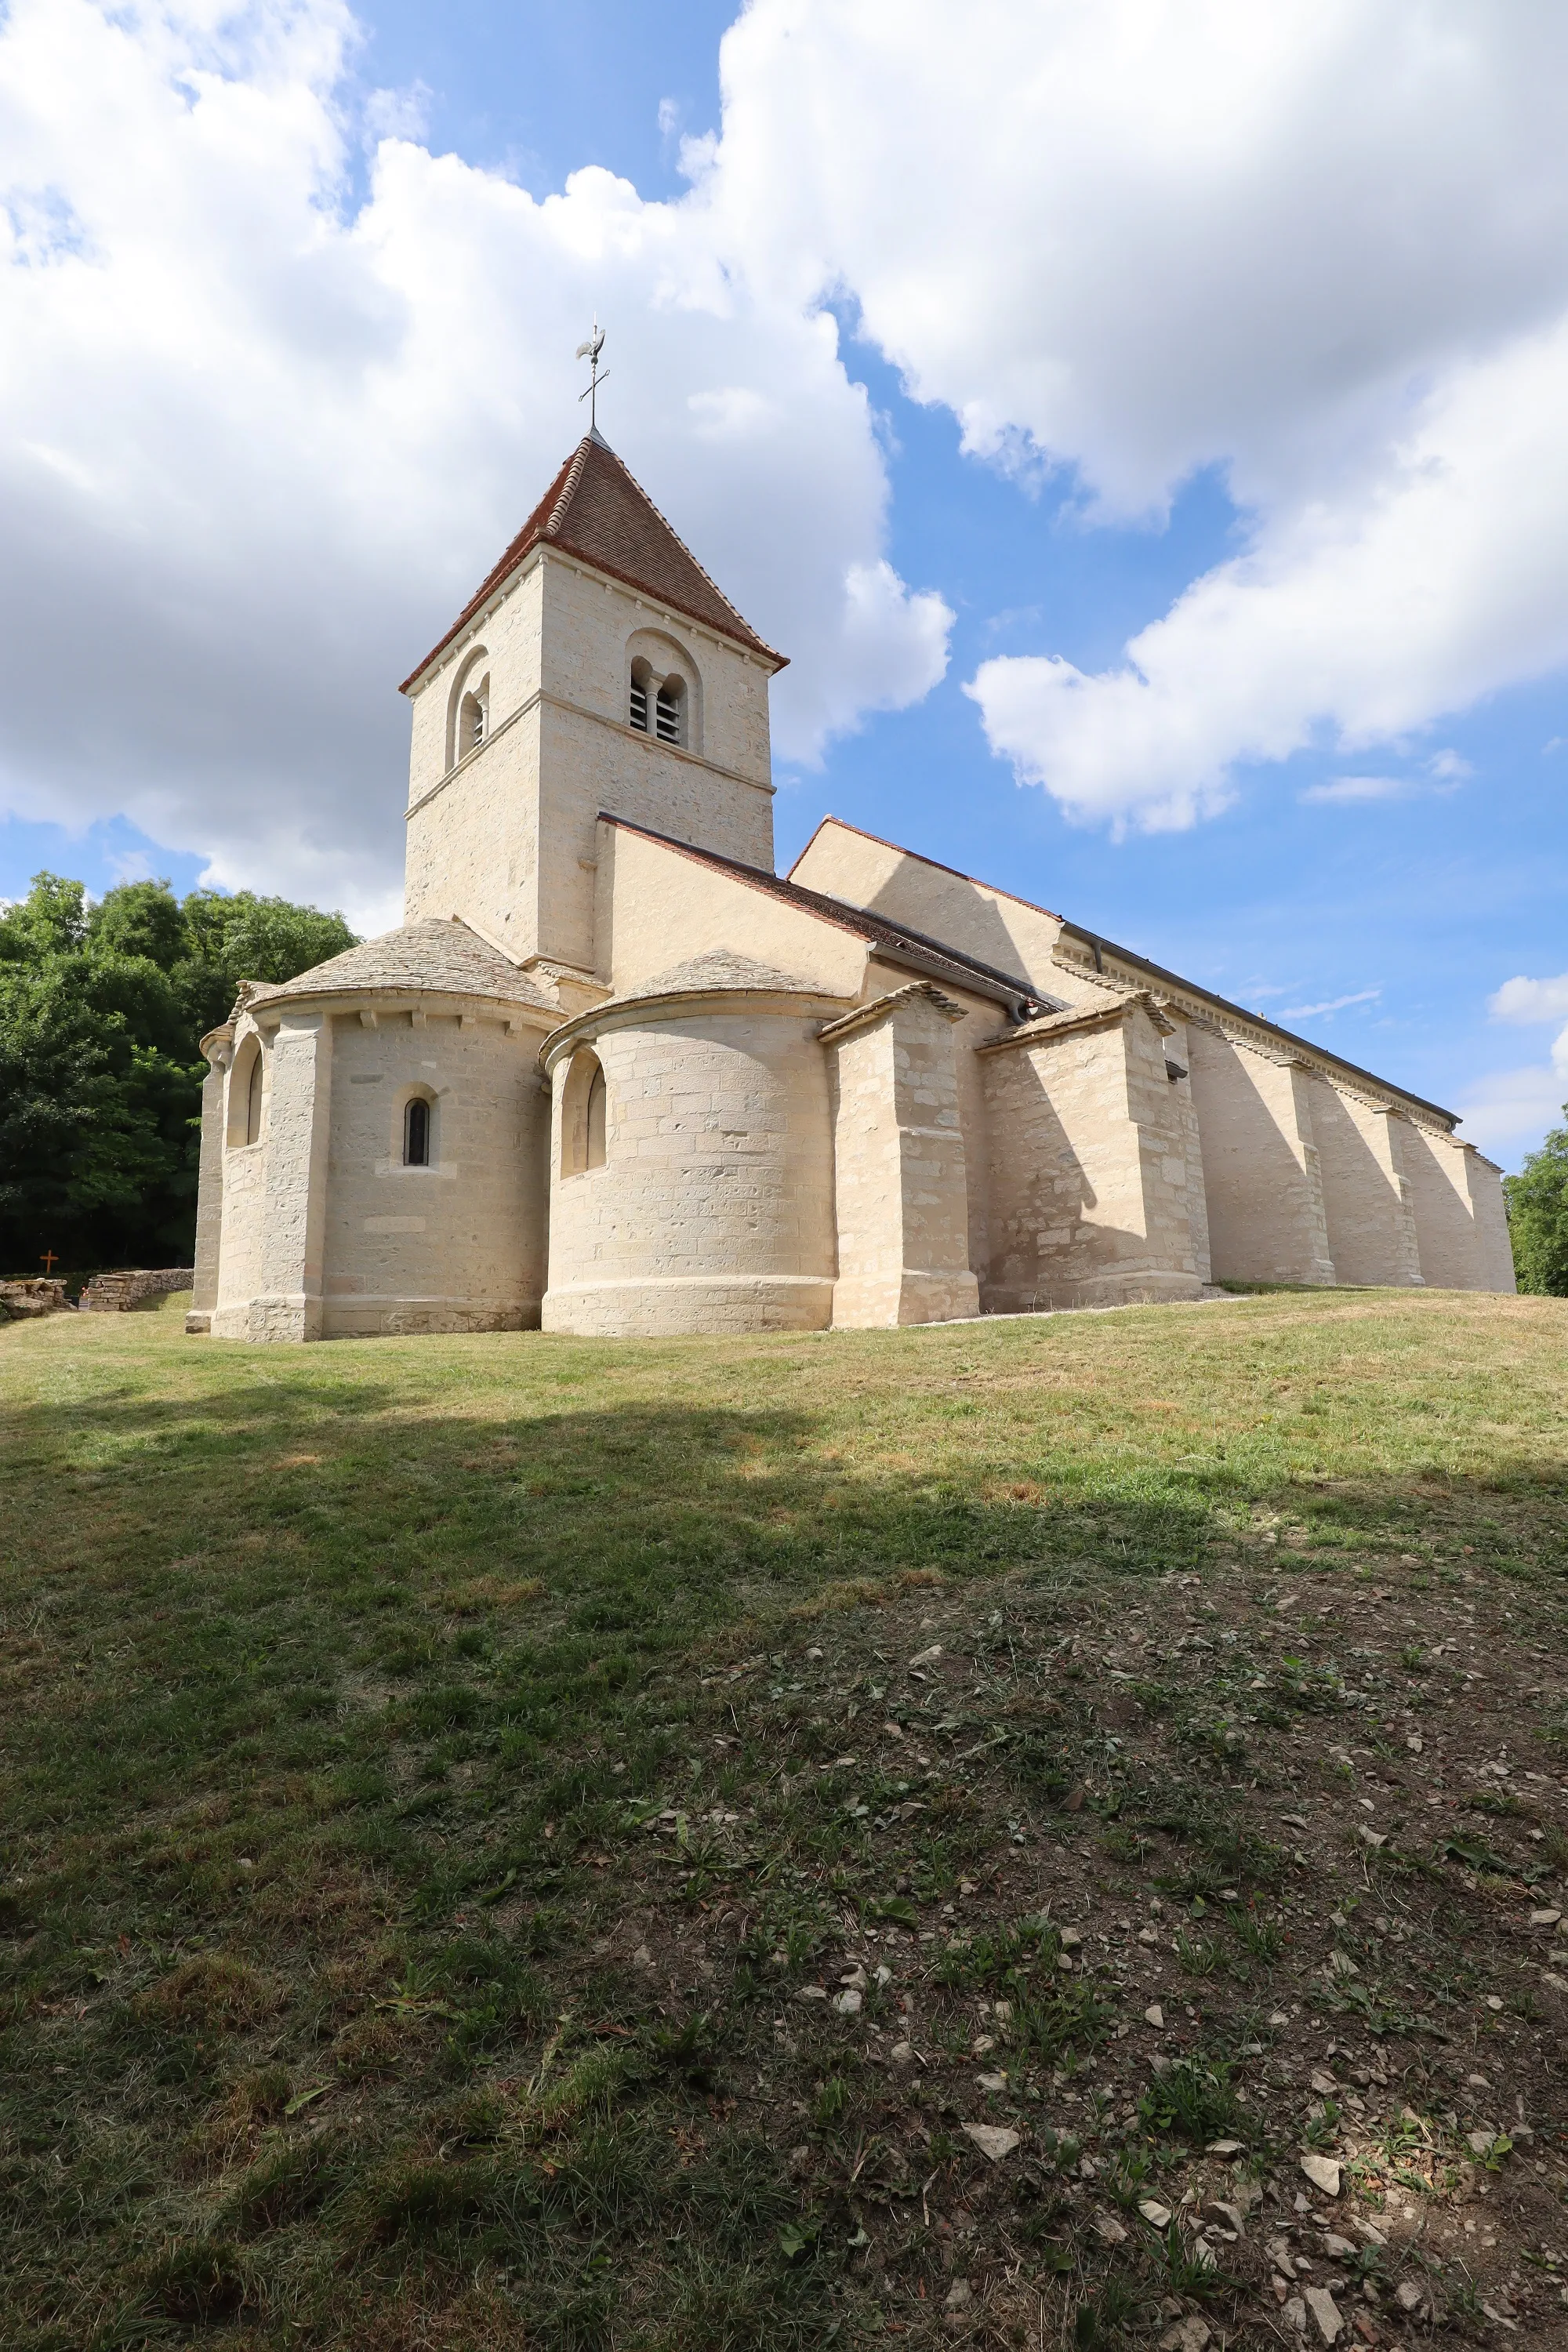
point(590, 352)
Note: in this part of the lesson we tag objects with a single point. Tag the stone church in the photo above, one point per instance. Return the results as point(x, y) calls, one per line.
point(615, 1074)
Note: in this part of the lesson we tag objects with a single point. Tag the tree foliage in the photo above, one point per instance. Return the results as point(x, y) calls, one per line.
point(1537, 1216)
point(102, 1010)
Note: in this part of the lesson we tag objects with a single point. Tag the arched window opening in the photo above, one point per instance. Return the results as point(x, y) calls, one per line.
point(583, 1115)
point(469, 706)
point(473, 719)
point(596, 1102)
point(416, 1133)
point(253, 1099)
point(664, 689)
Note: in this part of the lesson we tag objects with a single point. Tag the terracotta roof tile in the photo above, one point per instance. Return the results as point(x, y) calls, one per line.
point(596, 509)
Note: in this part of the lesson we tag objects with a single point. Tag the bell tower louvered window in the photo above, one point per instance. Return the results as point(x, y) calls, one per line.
point(638, 712)
point(667, 712)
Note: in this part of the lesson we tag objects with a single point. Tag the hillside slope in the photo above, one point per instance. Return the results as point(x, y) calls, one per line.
point(1033, 1832)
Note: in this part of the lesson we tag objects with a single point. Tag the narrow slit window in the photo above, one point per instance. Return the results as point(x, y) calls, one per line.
point(417, 1134)
point(472, 718)
point(253, 1101)
point(667, 714)
point(638, 713)
point(596, 1137)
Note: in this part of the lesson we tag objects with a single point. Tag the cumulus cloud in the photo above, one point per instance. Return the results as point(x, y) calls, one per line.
point(1506, 1112)
point(258, 441)
point(1322, 248)
point(258, 438)
point(1511, 1108)
point(1531, 1000)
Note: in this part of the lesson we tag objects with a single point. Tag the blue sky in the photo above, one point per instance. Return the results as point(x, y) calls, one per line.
point(1378, 919)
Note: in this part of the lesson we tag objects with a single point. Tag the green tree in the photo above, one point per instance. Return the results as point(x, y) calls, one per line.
point(102, 1010)
point(1537, 1216)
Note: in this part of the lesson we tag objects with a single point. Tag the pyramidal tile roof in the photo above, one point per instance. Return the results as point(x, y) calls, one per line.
point(441, 955)
point(596, 509)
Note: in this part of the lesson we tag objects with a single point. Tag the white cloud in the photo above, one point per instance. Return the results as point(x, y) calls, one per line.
point(1369, 617)
point(1321, 247)
point(1507, 1113)
point(1516, 1106)
point(1332, 1004)
point(1531, 1000)
point(257, 446)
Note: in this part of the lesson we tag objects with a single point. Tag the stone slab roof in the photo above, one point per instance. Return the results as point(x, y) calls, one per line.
point(721, 969)
point(596, 509)
point(894, 942)
point(443, 958)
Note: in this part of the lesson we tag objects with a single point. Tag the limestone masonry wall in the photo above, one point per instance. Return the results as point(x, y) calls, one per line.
point(1005, 932)
point(505, 838)
point(901, 1191)
point(473, 850)
point(458, 1246)
point(1261, 1172)
point(218, 1048)
point(657, 909)
point(1460, 1229)
point(1367, 1201)
point(714, 1208)
point(1089, 1175)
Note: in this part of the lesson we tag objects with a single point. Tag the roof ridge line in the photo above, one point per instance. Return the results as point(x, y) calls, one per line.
point(861, 922)
point(940, 865)
point(569, 486)
point(675, 535)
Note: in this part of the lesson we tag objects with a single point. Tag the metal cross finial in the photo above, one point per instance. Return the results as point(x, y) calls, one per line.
point(590, 352)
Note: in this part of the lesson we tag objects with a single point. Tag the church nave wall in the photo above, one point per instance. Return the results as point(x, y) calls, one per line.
point(1367, 1201)
point(1261, 1173)
point(1089, 1166)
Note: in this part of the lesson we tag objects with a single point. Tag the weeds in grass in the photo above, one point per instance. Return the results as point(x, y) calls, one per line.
point(1195, 2100)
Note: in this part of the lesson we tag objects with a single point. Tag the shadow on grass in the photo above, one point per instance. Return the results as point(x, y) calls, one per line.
point(383, 1702)
point(535, 1571)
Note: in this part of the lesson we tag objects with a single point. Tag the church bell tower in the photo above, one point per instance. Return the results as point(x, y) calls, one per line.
point(597, 668)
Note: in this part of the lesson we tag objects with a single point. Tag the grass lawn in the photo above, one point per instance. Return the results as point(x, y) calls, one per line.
point(522, 1841)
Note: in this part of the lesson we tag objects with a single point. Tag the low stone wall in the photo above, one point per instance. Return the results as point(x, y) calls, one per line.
point(111, 1294)
point(36, 1295)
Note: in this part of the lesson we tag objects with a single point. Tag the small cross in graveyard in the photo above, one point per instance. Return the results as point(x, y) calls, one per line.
point(48, 1261)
